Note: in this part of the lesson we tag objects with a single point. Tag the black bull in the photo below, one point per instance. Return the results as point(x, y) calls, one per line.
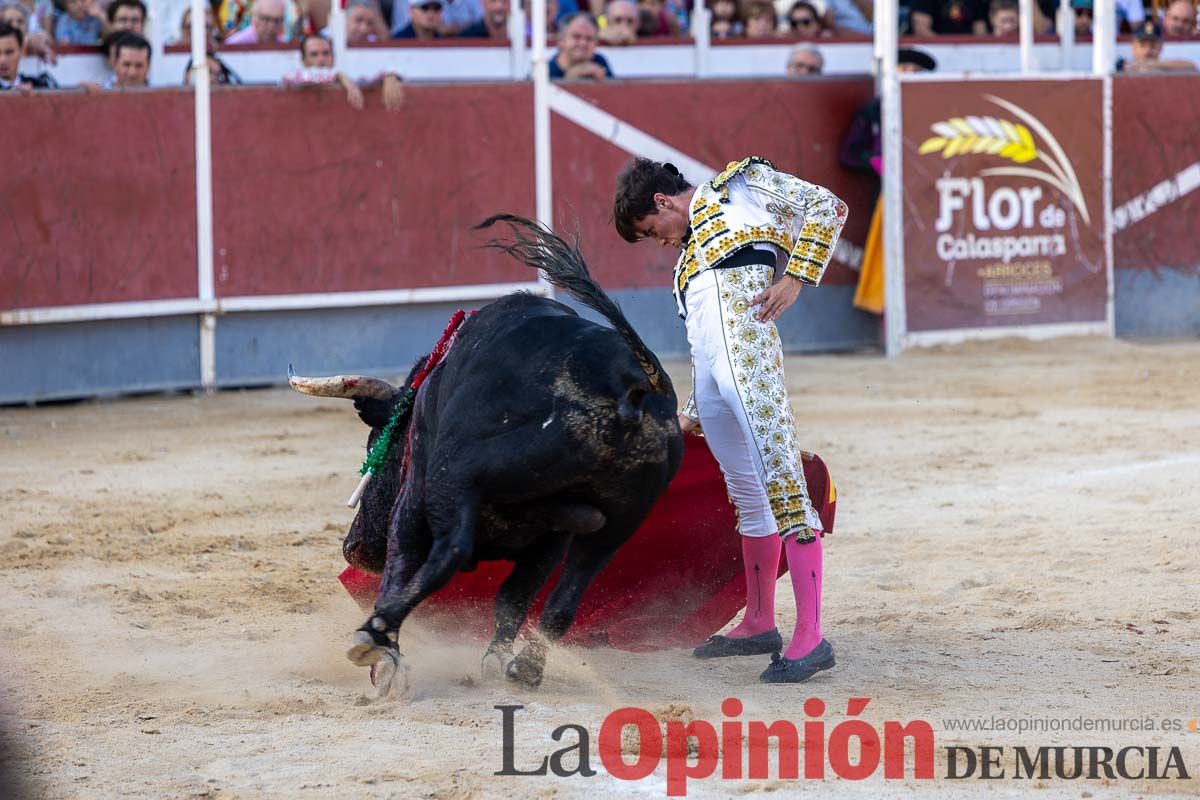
point(542, 438)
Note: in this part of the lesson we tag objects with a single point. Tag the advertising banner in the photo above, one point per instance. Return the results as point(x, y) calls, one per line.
point(1004, 216)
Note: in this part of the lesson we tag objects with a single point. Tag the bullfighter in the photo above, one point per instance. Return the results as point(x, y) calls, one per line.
point(750, 239)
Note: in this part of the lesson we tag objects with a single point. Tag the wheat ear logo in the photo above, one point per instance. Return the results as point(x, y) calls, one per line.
point(1012, 141)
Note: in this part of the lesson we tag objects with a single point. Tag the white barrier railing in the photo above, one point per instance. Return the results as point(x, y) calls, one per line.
point(676, 60)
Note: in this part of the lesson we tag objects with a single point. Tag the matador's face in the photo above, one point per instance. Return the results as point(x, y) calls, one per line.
point(668, 225)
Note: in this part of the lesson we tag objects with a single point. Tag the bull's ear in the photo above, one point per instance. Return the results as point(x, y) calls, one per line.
point(375, 412)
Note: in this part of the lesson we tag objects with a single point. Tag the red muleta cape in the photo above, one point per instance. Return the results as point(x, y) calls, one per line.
point(676, 582)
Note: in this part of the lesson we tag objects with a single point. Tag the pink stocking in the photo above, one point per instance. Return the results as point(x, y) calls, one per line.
point(760, 556)
point(804, 563)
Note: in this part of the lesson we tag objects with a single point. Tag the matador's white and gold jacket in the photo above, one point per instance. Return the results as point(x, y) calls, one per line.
point(752, 203)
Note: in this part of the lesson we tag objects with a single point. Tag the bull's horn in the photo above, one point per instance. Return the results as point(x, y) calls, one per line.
point(350, 387)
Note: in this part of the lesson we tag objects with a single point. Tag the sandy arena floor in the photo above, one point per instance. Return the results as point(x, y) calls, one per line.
point(1017, 536)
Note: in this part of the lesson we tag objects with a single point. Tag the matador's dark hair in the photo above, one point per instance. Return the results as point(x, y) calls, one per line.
point(637, 184)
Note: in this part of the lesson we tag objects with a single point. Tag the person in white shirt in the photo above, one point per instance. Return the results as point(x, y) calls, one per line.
point(316, 58)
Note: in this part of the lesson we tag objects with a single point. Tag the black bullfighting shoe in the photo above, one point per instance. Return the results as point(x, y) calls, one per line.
point(721, 646)
point(798, 670)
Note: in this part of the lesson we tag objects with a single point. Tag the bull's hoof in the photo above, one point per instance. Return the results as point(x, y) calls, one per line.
point(525, 670)
point(364, 651)
point(390, 674)
point(495, 663)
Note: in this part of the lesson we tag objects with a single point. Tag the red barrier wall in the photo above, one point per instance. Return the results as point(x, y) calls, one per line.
point(97, 199)
point(797, 124)
point(1154, 138)
point(311, 196)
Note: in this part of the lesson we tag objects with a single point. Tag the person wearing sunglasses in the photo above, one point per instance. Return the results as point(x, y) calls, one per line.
point(266, 24)
point(456, 16)
point(619, 23)
point(425, 20)
point(804, 21)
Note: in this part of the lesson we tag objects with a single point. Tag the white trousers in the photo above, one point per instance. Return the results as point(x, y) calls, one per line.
point(741, 399)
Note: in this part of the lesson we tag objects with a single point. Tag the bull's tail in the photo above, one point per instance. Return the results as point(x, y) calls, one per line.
point(561, 262)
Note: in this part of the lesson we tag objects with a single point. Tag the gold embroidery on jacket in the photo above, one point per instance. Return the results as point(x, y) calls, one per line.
point(721, 183)
point(712, 239)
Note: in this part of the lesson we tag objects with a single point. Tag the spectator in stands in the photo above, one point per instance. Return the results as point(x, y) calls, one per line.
point(1147, 47)
point(805, 61)
point(80, 22)
point(576, 56)
point(759, 18)
point(725, 22)
point(219, 73)
point(932, 17)
point(12, 45)
point(456, 16)
point(655, 20)
point(316, 58)
point(266, 24)
point(210, 22)
point(425, 20)
point(130, 62)
point(236, 15)
point(850, 16)
point(1004, 16)
point(365, 22)
point(17, 15)
point(37, 43)
point(805, 22)
point(1179, 19)
point(127, 15)
point(1083, 17)
point(494, 24)
point(620, 23)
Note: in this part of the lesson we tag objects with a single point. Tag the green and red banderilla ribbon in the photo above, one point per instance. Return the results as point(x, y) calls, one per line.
point(397, 423)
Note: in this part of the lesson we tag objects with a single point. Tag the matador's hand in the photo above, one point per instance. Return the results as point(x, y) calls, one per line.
point(777, 299)
point(688, 425)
